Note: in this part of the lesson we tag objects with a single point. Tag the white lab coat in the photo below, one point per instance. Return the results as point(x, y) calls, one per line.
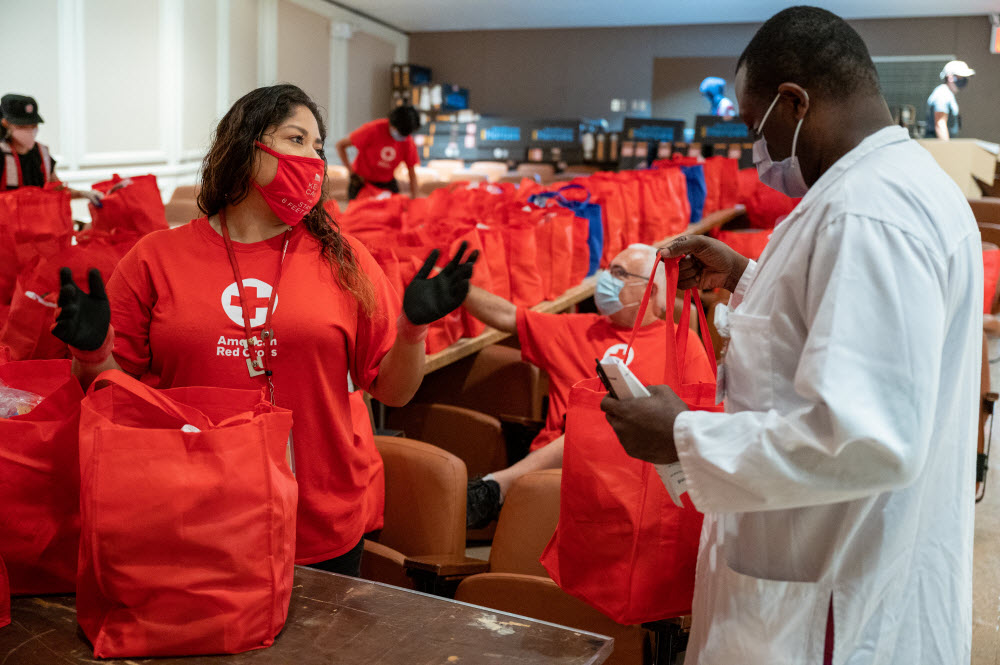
point(844, 464)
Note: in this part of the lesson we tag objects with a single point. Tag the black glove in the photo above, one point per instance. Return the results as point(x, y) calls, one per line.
point(84, 318)
point(426, 300)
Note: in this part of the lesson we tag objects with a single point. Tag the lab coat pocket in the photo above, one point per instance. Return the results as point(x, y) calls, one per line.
point(749, 365)
point(756, 620)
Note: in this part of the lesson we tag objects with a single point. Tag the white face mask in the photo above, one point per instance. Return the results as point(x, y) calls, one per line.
point(24, 137)
point(786, 175)
point(396, 135)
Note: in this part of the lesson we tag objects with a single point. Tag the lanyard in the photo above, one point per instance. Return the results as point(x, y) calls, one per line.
point(257, 363)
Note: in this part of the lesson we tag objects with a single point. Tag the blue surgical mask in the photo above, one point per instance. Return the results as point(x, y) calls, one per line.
point(784, 176)
point(395, 135)
point(607, 293)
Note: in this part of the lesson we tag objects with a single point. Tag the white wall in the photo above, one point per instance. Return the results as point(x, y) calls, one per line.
point(137, 86)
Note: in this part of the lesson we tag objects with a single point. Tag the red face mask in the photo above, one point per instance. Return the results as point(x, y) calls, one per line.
point(296, 186)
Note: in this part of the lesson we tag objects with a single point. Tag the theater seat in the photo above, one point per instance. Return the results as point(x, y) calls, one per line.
point(180, 212)
point(516, 582)
point(986, 210)
point(424, 515)
point(546, 173)
point(185, 193)
point(494, 381)
point(475, 438)
point(492, 170)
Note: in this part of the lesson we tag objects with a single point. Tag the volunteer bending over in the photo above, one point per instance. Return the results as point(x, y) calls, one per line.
point(265, 292)
point(566, 345)
point(838, 485)
point(382, 145)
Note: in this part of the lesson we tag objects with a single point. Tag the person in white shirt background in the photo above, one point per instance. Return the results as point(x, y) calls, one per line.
point(838, 485)
point(943, 121)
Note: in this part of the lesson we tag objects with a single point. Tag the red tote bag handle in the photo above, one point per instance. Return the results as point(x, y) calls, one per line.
point(677, 342)
point(150, 395)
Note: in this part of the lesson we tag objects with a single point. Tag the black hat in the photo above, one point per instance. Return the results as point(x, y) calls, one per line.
point(20, 110)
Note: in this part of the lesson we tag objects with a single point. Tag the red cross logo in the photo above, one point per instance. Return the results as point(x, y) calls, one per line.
point(618, 351)
point(258, 294)
point(254, 302)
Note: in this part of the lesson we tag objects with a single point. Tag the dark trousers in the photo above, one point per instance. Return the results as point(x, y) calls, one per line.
point(348, 563)
point(357, 182)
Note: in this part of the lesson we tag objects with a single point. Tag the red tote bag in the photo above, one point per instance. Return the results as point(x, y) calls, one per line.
point(131, 204)
point(991, 274)
point(748, 242)
point(621, 545)
point(521, 248)
point(37, 210)
point(33, 305)
point(39, 491)
point(187, 537)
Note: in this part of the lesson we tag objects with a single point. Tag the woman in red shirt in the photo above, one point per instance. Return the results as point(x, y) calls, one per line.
point(265, 291)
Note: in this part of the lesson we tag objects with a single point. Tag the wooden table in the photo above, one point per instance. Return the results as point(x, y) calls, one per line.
point(469, 345)
point(334, 619)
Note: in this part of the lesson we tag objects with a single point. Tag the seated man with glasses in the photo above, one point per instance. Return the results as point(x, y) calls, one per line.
point(566, 345)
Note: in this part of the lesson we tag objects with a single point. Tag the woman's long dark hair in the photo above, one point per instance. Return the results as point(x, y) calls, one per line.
point(227, 175)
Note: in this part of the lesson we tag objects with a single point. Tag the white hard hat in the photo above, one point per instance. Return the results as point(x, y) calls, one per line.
point(957, 68)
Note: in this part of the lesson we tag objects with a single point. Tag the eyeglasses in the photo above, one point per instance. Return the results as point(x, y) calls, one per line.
point(620, 273)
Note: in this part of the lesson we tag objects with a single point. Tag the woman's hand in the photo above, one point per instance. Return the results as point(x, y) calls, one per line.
point(84, 318)
point(427, 299)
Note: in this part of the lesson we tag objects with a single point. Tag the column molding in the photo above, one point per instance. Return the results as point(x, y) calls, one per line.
point(340, 35)
point(171, 78)
point(267, 42)
point(72, 88)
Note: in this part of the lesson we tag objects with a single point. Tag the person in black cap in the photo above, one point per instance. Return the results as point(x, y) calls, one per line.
point(24, 162)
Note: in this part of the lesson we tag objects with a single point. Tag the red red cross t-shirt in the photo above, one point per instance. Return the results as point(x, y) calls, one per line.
point(566, 345)
point(378, 153)
point(176, 312)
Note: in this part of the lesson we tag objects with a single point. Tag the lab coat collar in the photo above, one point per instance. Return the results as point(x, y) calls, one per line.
point(880, 139)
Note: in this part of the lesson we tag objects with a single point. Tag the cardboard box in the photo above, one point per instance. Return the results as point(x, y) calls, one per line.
point(964, 158)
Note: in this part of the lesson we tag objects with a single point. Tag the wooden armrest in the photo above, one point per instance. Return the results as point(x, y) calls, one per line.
point(446, 565)
point(524, 421)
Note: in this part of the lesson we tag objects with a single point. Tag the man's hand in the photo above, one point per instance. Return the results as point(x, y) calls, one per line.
point(83, 319)
point(707, 263)
point(427, 299)
point(645, 425)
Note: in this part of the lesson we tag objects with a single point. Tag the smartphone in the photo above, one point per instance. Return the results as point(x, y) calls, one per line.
point(604, 378)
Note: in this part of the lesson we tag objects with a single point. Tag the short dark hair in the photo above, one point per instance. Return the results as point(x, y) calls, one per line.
point(811, 47)
point(405, 119)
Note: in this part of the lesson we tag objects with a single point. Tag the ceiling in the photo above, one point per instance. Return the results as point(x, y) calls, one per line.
point(439, 15)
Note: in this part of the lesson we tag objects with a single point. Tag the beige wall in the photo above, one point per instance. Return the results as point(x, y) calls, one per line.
point(675, 85)
point(199, 74)
point(571, 73)
point(303, 51)
point(242, 48)
point(369, 66)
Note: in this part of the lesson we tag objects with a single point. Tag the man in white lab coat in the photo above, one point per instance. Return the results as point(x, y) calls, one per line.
point(838, 485)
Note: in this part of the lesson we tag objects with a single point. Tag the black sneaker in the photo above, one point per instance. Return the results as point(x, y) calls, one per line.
point(482, 503)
